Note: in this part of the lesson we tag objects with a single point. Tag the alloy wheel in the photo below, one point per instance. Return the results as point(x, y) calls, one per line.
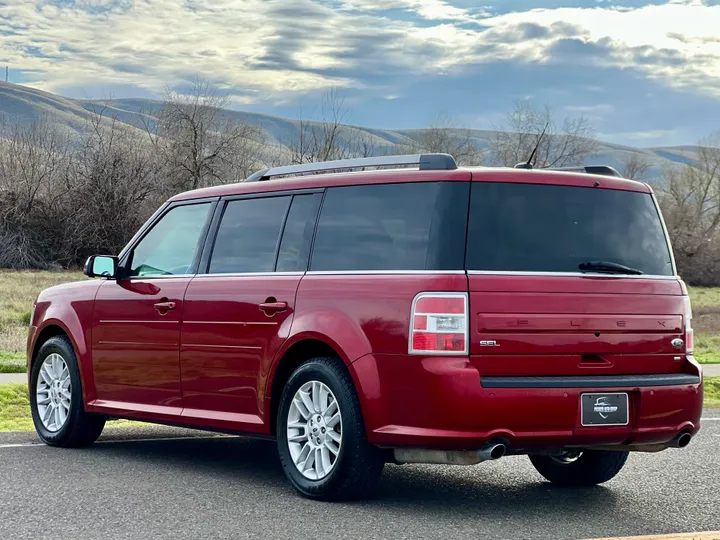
point(314, 430)
point(54, 392)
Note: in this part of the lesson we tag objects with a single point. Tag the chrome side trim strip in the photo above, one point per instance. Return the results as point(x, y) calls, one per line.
point(236, 323)
point(415, 272)
point(252, 274)
point(568, 274)
point(162, 276)
point(385, 272)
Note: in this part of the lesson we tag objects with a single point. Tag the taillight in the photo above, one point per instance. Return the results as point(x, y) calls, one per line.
point(439, 324)
point(688, 326)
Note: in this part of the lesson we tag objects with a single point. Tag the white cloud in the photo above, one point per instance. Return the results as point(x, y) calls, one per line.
point(645, 39)
point(272, 48)
point(428, 9)
point(640, 137)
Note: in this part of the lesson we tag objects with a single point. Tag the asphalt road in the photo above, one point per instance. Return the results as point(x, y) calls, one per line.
point(228, 487)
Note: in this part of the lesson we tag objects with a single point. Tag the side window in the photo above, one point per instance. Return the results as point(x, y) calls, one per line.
point(247, 238)
point(298, 233)
point(170, 246)
point(415, 226)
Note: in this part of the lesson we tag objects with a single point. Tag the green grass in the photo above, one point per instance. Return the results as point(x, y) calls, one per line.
point(707, 348)
point(712, 391)
point(707, 356)
point(12, 362)
point(15, 410)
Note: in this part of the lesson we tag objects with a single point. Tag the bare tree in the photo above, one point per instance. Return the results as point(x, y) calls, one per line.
point(690, 200)
point(200, 144)
point(363, 144)
point(114, 185)
point(32, 161)
point(635, 166)
point(446, 136)
point(527, 127)
point(327, 139)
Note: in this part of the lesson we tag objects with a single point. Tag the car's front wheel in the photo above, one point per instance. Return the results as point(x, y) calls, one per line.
point(580, 468)
point(56, 398)
point(321, 435)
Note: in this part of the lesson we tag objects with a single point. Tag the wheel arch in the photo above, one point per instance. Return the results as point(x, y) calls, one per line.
point(302, 349)
point(53, 328)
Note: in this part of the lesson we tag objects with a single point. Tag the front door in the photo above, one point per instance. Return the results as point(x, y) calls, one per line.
point(237, 315)
point(136, 330)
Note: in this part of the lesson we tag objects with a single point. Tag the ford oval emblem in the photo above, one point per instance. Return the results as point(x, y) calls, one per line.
point(677, 343)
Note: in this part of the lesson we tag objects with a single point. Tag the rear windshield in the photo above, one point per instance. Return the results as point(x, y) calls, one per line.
point(540, 228)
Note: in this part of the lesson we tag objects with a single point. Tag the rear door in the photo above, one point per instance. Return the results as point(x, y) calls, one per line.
point(238, 314)
point(537, 314)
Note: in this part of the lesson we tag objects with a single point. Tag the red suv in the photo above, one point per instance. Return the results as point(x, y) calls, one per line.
point(426, 315)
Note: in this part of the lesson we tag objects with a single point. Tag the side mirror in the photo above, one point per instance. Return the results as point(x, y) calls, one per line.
point(101, 266)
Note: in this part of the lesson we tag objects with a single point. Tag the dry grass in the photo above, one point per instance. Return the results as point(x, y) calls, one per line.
point(18, 290)
point(705, 297)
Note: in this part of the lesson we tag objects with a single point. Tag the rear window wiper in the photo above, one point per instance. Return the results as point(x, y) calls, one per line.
point(607, 266)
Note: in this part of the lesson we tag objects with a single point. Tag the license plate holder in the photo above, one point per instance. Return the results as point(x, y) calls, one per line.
point(604, 409)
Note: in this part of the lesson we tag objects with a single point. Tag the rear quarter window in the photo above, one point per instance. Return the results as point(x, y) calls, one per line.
point(412, 226)
point(541, 228)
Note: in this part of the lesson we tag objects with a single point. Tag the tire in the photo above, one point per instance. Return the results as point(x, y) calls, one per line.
point(590, 468)
point(78, 428)
point(358, 464)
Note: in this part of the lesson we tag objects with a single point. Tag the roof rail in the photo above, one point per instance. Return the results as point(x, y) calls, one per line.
point(603, 170)
point(425, 162)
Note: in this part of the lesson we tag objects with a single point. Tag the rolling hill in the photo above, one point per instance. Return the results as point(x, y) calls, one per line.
point(24, 104)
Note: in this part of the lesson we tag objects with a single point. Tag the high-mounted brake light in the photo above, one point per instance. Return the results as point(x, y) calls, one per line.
point(689, 335)
point(439, 324)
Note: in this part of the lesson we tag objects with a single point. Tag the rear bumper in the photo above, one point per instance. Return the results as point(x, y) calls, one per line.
point(441, 402)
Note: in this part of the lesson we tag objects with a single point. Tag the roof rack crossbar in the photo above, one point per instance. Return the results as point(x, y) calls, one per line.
point(425, 162)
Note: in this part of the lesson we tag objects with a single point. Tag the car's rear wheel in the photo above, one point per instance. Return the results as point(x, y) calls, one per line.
point(321, 434)
point(56, 398)
point(580, 468)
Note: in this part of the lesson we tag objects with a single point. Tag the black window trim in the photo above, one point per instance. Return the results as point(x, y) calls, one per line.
point(125, 257)
point(278, 242)
point(203, 268)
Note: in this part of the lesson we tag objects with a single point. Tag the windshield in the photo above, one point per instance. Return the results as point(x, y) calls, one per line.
point(541, 228)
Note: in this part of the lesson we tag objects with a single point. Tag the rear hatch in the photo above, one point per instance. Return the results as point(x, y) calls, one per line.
point(571, 280)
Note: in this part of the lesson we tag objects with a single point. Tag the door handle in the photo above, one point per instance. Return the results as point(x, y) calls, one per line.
point(273, 307)
point(164, 307)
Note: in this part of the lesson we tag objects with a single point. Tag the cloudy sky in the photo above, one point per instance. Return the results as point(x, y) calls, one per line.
point(647, 73)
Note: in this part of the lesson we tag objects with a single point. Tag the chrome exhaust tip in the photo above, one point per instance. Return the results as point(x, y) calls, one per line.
point(681, 441)
point(497, 451)
point(489, 452)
